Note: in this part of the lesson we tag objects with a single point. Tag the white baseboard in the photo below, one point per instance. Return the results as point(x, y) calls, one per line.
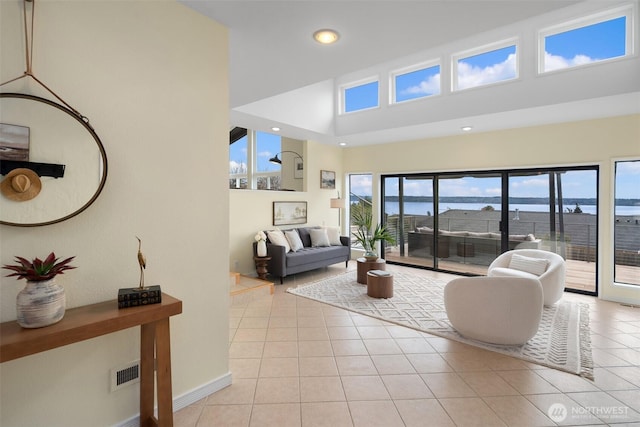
point(188, 398)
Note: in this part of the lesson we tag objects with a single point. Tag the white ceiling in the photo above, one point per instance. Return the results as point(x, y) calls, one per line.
point(273, 58)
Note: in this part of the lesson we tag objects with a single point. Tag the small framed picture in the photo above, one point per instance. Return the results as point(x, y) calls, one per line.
point(328, 180)
point(14, 142)
point(298, 170)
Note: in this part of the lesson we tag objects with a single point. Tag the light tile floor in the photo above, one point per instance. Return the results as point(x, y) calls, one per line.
point(297, 362)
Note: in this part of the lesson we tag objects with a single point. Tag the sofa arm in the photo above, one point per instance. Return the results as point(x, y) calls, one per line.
point(278, 262)
point(345, 240)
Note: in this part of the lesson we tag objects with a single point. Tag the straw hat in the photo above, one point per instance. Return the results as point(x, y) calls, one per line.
point(21, 185)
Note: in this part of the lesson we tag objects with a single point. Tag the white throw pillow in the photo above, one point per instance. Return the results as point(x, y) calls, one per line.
point(319, 237)
point(294, 240)
point(535, 266)
point(277, 238)
point(334, 236)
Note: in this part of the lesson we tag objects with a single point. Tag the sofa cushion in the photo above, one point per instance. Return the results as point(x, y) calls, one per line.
point(334, 236)
point(482, 235)
point(510, 272)
point(277, 238)
point(424, 230)
point(454, 233)
point(527, 264)
point(305, 236)
point(315, 255)
point(294, 240)
point(319, 237)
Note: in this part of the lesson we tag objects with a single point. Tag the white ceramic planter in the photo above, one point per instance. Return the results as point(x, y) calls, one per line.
point(40, 304)
point(261, 249)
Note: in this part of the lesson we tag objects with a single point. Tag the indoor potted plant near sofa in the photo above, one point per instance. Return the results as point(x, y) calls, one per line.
point(42, 302)
point(366, 234)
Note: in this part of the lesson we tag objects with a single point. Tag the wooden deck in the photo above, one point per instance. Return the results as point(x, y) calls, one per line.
point(580, 275)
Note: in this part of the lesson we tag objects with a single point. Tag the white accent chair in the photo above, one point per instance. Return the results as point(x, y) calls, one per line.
point(497, 310)
point(552, 277)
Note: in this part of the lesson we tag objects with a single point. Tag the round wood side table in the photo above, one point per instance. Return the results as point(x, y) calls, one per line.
point(261, 266)
point(379, 286)
point(364, 266)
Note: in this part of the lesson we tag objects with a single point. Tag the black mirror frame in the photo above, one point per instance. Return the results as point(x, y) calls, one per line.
point(84, 122)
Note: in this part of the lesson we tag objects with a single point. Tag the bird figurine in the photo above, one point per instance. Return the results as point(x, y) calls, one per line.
point(143, 263)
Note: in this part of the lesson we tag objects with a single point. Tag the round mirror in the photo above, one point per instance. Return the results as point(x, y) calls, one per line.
point(38, 131)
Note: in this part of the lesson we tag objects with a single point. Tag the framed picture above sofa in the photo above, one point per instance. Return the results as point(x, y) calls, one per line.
point(285, 213)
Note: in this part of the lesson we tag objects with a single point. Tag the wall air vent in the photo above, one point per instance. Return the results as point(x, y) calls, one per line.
point(125, 375)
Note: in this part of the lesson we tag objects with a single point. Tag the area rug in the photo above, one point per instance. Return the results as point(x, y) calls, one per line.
point(562, 342)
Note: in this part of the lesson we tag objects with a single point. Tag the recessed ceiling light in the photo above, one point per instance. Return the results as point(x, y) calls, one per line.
point(342, 144)
point(275, 129)
point(467, 128)
point(326, 36)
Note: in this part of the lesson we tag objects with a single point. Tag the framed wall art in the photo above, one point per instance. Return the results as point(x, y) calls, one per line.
point(285, 213)
point(298, 168)
point(14, 142)
point(328, 180)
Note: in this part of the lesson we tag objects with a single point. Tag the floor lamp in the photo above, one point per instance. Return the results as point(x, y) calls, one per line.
point(338, 203)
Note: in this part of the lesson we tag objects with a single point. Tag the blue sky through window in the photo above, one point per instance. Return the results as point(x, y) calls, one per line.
point(487, 67)
point(267, 146)
point(417, 84)
point(586, 44)
point(361, 97)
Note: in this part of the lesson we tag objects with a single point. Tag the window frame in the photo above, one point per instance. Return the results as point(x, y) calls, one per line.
point(626, 11)
point(410, 69)
point(490, 47)
point(614, 172)
point(347, 86)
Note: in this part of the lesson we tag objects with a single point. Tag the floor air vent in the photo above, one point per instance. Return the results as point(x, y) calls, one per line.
point(125, 375)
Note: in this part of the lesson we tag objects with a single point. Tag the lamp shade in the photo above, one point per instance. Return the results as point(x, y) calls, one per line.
point(337, 203)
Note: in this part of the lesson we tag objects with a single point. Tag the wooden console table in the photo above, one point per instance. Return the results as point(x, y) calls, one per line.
point(90, 321)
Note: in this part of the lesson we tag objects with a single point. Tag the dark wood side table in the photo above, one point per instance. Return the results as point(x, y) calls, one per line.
point(262, 262)
point(364, 266)
point(90, 321)
point(379, 286)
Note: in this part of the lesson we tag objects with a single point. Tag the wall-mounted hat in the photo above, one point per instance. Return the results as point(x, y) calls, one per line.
point(21, 185)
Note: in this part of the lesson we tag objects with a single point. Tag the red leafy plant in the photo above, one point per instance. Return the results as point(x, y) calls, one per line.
point(38, 270)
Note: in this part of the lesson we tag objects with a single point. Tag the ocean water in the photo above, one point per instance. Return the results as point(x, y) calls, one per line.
point(418, 208)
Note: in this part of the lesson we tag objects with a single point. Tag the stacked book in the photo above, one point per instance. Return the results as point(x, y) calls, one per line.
point(134, 297)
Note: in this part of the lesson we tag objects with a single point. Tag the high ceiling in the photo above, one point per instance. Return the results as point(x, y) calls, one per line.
point(272, 51)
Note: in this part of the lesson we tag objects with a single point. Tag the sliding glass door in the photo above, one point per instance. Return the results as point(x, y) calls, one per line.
point(469, 213)
point(556, 210)
point(479, 215)
point(408, 212)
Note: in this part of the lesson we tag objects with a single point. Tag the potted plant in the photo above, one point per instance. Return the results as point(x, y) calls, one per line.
point(366, 234)
point(42, 302)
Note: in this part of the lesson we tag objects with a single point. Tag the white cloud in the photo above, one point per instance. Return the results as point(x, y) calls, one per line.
point(471, 76)
point(430, 86)
point(629, 167)
point(237, 167)
point(542, 181)
point(361, 185)
point(265, 154)
point(556, 62)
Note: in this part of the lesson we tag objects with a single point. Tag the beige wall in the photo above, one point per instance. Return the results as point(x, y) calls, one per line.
point(594, 142)
point(152, 78)
point(252, 210)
